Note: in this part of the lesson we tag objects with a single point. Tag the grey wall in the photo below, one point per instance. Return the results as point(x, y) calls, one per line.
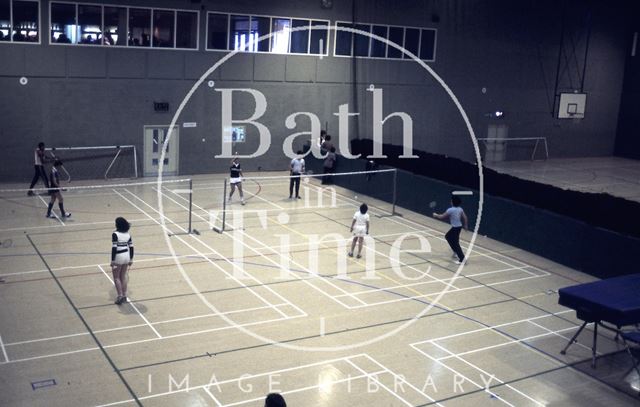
point(627, 140)
point(96, 96)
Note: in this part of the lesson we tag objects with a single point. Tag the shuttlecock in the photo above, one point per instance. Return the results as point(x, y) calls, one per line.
point(355, 197)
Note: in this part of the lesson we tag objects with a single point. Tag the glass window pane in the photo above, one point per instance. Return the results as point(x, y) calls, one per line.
point(379, 48)
point(343, 40)
point(218, 29)
point(5, 21)
point(89, 24)
point(411, 41)
point(300, 38)
point(163, 28)
point(239, 38)
point(428, 45)
point(280, 27)
point(115, 26)
point(260, 27)
point(361, 42)
point(396, 35)
point(187, 30)
point(63, 23)
point(25, 21)
point(319, 36)
point(139, 27)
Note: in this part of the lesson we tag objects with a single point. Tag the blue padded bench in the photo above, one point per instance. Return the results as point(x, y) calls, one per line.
point(615, 301)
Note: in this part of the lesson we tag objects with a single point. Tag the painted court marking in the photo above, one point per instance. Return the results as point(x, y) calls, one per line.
point(133, 305)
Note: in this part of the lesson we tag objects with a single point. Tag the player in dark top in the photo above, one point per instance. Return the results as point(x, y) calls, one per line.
point(235, 179)
point(55, 192)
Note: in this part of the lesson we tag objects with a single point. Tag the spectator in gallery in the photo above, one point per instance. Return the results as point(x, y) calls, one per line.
point(274, 400)
point(63, 39)
point(2, 37)
point(88, 40)
point(108, 39)
point(18, 36)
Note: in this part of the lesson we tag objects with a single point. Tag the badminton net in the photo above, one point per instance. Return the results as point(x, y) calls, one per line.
point(169, 200)
point(316, 192)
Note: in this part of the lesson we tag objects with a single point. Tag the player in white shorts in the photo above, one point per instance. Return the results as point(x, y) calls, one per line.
point(121, 257)
point(235, 179)
point(359, 228)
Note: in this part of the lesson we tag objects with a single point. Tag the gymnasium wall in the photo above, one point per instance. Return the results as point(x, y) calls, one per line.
point(627, 140)
point(80, 96)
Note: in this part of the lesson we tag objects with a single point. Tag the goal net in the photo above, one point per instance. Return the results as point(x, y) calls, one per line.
point(97, 162)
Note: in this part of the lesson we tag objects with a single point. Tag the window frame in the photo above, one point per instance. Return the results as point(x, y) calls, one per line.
point(11, 41)
point(271, 18)
point(403, 56)
point(128, 7)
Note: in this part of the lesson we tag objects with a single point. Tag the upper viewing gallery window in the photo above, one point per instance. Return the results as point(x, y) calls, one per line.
point(112, 25)
point(419, 41)
point(241, 32)
point(20, 21)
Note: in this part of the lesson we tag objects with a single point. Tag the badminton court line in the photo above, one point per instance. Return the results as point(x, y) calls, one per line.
point(132, 304)
point(226, 259)
point(421, 226)
point(74, 224)
point(54, 214)
point(88, 266)
point(455, 372)
point(424, 295)
point(419, 295)
point(217, 266)
point(86, 325)
point(403, 380)
point(434, 281)
point(493, 376)
point(166, 337)
point(4, 350)
point(247, 377)
point(270, 260)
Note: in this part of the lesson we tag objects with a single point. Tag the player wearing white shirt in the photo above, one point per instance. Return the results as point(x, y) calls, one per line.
point(359, 228)
point(456, 216)
point(121, 257)
point(297, 168)
point(39, 159)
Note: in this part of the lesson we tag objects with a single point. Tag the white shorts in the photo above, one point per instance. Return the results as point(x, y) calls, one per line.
point(235, 180)
point(359, 231)
point(122, 258)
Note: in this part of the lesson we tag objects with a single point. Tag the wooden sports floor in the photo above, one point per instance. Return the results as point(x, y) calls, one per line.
point(223, 319)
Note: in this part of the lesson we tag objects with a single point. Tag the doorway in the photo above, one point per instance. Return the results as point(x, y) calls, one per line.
point(154, 138)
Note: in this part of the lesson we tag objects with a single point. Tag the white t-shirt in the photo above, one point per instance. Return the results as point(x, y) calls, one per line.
point(37, 157)
point(361, 219)
point(455, 215)
point(297, 165)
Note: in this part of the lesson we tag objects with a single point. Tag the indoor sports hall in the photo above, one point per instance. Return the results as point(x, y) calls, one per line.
point(319, 203)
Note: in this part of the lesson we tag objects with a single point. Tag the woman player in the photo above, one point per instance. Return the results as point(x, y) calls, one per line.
point(121, 257)
point(235, 179)
point(54, 191)
point(359, 228)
